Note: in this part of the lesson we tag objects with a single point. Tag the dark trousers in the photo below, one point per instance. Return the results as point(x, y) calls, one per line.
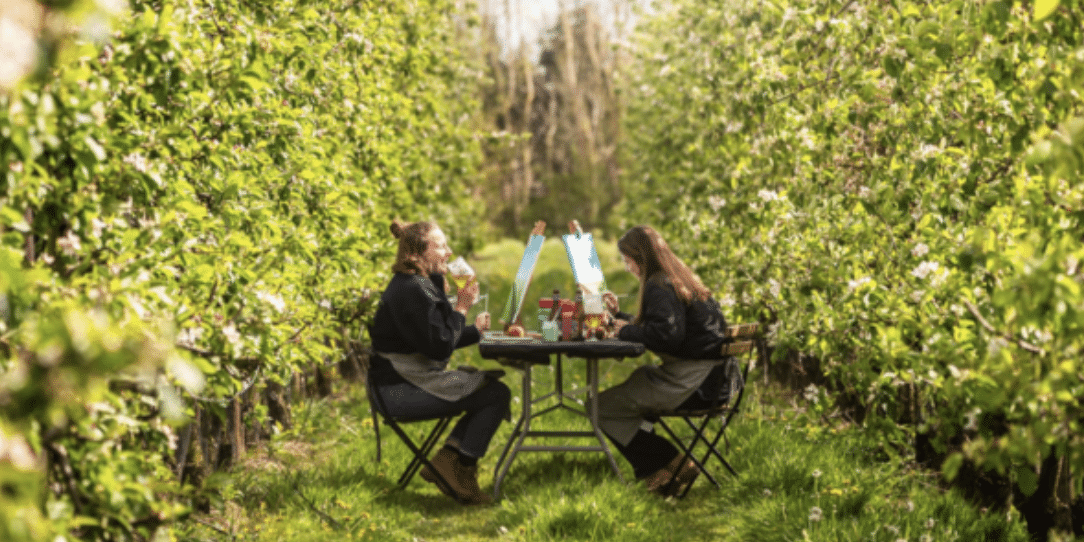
point(648, 452)
point(483, 411)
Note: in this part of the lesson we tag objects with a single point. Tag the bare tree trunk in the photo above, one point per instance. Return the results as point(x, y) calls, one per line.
point(237, 431)
point(526, 116)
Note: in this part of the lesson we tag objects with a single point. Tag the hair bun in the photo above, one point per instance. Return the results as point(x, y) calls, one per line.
point(397, 229)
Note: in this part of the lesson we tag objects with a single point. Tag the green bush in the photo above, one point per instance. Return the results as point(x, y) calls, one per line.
point(891, 188)
point(219, 175)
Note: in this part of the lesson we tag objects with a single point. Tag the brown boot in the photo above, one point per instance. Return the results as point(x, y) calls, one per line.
point(475, 494)
point(681, 474)
point(464, 480)
point(446, 462)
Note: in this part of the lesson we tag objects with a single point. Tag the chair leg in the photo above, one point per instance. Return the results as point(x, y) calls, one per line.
point(422, 453)
point(687, 453)
point(712, 449)
point(698, 436)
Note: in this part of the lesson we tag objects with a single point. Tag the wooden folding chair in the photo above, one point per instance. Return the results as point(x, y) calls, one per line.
point(421, 452)
point(728, 376)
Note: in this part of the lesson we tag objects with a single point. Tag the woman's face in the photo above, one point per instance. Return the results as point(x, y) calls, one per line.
point(435, 258)
point(630, 265)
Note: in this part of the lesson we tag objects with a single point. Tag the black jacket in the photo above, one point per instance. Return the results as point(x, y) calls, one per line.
point(668, 326)
point(415, 316)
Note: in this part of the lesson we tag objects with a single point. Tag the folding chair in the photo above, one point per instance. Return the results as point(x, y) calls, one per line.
point(421, 452)
point(727, 376)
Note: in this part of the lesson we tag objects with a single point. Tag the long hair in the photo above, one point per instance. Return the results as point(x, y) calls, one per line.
point(656, 261)
point(413, 242)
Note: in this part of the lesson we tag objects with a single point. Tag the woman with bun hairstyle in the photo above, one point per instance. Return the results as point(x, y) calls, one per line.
point(413, 334)
point(680, 322)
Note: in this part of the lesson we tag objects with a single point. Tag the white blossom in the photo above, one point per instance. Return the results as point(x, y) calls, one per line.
point(853, 285)
point(774, 287)
point(768, 195)
point(96, 227)
point(815, 514)
point(920, 250)
point(924, 269)
point(232, 335)
point(69, 244)
point(272, 299)
point(98, 111)
point(812, 395)
point(137, 161)
point(16, 452)
point(927, 151)
point(716, 202)
point(190, 336)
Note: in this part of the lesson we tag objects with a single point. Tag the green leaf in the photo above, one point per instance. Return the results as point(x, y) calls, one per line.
point(14, 219)
point(952, 465)
point(1043, 8)
point(1026, 479)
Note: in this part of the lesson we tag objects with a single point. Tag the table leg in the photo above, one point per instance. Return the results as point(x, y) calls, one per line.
point(523, 426)
point(592, 410)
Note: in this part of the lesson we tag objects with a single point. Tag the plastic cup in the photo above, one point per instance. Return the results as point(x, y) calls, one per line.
point(550, 330)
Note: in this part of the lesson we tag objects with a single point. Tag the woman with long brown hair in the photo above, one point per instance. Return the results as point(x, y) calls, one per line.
point(679, 321)
point(414, 332)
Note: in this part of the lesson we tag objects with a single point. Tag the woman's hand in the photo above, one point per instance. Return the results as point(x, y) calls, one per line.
point(467, 296)
point(482, 321)
point(539, 228)
point(611, 302)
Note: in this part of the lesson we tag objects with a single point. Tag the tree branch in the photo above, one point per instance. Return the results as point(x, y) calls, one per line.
point(986, 325)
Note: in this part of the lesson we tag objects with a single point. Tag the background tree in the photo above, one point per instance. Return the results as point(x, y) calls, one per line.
point(563, 114)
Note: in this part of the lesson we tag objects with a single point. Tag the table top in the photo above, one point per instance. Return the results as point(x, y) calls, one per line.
point(539, 351)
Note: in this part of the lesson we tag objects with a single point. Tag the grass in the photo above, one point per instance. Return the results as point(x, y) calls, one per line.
point(798, 479)
point(321, 483)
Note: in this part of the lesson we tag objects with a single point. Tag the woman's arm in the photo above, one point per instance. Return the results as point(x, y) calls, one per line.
point(662, 327)
point(426, 320)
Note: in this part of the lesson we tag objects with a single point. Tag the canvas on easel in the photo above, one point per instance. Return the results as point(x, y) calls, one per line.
point(582, 256)
point(522, 280)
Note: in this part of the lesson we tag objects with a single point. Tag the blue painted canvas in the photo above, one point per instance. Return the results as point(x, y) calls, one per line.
point(523, 279)
point(586, 267)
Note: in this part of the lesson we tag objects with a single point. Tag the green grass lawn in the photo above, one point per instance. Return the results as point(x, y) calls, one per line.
point(798, 479)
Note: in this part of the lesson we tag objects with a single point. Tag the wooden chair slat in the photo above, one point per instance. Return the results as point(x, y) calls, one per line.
point(735, 348)
point(742, 330)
